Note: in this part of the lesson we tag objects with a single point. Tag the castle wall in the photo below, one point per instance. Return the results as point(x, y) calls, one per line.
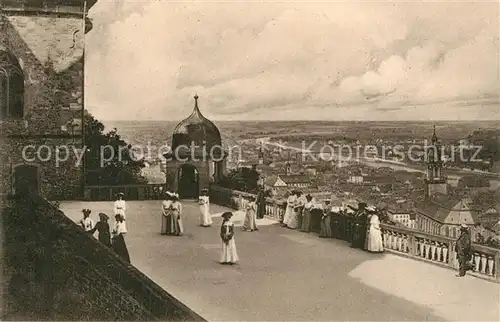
point(59, 173)
point(49, 49)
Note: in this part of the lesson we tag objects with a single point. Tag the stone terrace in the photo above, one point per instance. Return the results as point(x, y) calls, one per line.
point(288, 275)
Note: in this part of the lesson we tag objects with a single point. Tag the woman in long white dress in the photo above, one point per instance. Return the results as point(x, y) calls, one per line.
point(250, 222)
point(290, 205)
point(293, 219)
point(177, 227)
point(229, 254)
point(120, 206)
point(166, 214)
point(375, 244)
point(204, 202)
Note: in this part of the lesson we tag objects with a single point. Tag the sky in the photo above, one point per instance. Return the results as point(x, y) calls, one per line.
point(342, 60)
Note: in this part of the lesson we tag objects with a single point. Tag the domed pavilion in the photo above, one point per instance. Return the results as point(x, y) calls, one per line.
point(196, 157)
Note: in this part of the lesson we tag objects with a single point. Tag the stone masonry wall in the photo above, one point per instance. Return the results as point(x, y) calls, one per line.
point(49, 49)
point(54, 270)
point(60, 179)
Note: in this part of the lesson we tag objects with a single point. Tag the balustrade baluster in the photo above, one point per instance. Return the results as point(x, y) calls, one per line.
point(483, 264)
point(417, 246)
point(433, 251)
point(400, 242)
point(439, 252)
point(394, 241)
point(427, 249)
point(405, 243)
point(491, 262)
point(445, 254)
point(412, 245)
point(477, 262)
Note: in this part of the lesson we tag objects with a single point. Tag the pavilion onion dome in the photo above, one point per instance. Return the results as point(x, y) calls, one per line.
point(196, 135)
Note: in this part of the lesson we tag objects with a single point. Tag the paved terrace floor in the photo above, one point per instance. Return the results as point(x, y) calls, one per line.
point(288, 275)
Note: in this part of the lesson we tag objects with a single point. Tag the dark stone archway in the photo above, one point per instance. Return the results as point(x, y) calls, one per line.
point(188, 181)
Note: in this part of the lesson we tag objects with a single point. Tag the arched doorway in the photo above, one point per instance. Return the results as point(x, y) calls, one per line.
point(26, 179)
point(188, 181)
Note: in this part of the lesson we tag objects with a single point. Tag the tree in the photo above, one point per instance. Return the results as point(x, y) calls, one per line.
point(242, 179)
point(109, 159)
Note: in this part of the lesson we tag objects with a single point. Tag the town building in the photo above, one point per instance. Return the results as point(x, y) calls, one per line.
point(283, 182)
point(42, 95)
point(443, 216)
point(401, 211)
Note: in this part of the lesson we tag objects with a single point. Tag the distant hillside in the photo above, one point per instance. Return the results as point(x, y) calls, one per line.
point(160, 132)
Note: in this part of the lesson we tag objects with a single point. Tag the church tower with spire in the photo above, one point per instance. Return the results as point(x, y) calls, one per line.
point(261, 156)
point(435, 179)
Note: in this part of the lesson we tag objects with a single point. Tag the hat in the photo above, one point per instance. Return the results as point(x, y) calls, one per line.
point(204, 190)
point(174, 196)
point(227, 214)
point(86, 211)
point(103, 215)
point(120, 194)
point(464, 227)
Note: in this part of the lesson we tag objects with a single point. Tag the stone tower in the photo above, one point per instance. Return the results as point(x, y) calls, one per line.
point(435, 180)
point(196, 158)
point(41, 95)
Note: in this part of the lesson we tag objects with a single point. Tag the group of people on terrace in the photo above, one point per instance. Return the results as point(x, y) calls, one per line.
point(299, 213)
point(300, 209)
point(112, 238)
point(171, 222)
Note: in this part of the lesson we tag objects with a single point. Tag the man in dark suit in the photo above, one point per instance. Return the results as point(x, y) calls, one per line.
point(463, 248)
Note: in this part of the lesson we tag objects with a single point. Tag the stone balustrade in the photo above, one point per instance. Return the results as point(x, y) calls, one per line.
point(238, 200)
point(439, 250)
point(132, 192)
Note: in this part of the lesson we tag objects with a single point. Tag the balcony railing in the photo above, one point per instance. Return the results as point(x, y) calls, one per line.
point(132, 192)
point(439, 250)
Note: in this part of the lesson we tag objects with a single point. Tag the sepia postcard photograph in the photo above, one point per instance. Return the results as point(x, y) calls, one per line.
point(175, 160)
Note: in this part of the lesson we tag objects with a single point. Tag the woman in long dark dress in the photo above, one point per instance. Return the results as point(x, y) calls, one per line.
point(261, 204)
point(306, 218)
point(118, 240)
point(326, 228)
point(165, 214)
point(102, 227)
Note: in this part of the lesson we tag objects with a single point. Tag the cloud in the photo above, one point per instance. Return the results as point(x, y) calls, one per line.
point(323, 60)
